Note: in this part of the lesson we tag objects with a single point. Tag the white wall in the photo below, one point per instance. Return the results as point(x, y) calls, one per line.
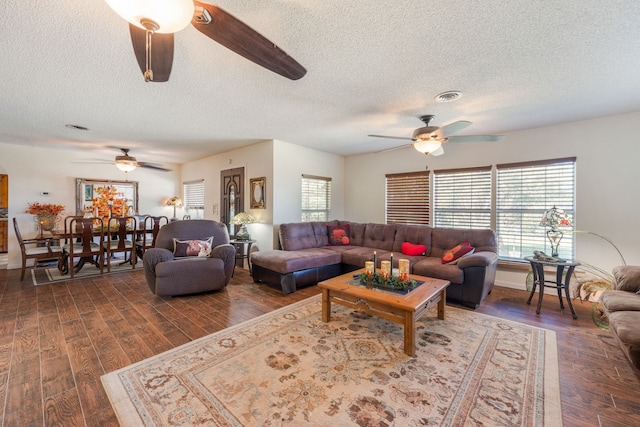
point(34, 170)
point(290, 163)
point(608, 178)
point(257, 161)
point(282, 164)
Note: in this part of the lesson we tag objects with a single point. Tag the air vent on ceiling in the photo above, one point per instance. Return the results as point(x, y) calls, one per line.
point(449, 96)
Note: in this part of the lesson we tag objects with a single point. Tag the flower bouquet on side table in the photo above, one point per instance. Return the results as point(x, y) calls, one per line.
point(46, 215)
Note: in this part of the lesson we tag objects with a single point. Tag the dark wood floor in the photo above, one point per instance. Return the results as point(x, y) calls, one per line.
point(57, 340)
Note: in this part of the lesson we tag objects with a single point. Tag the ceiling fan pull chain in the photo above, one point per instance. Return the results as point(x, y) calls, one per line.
point(148, 74)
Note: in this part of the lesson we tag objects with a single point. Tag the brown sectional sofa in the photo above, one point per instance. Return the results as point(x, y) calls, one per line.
point(306, 257)
point(622, 306)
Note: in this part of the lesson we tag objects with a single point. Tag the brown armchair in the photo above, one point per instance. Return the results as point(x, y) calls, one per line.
point(36, 249)
point(168, 274)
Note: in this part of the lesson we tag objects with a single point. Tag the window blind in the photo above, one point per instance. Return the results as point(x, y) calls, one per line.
point(193, 197)
point(524, 192)
point(407, 198)
point(462, 198)
point(316, 198)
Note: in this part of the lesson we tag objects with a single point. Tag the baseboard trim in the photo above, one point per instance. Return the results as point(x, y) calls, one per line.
point(510, 285)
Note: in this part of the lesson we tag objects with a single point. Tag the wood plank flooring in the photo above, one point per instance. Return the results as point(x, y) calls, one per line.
point(57, 340)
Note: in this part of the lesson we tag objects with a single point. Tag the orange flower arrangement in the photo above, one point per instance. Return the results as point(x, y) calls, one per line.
point(44, 209)
point(110, 202)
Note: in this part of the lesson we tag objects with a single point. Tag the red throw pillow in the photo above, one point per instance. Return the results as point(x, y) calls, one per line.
point(454, 254)
point(411, 249)
point(338, 235)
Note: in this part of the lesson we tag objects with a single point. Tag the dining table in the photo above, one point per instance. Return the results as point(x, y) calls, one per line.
point(61, 235)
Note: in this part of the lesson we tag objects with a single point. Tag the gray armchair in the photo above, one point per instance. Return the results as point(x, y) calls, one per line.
point(167, 274)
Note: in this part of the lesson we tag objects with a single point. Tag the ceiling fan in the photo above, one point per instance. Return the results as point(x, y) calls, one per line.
point(152, 24)
point(127, 163)
point(429, 139)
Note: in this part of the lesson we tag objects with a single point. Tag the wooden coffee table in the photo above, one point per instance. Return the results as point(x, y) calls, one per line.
point(404, 309)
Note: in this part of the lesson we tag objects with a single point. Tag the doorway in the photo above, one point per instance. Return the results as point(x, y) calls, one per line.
point(231, 196)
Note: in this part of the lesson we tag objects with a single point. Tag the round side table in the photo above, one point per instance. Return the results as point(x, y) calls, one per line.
point(537, 266)
point(243, 251)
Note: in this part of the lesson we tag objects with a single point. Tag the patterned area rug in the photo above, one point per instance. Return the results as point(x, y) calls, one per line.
point(288, 368)
point(46, 275)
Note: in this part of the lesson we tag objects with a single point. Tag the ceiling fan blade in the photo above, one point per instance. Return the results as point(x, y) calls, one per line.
point(391, 137)
point(475, 138)
point(438, 152)
point(245, 41)
point(394, 148)
point(450, 129)
point(161, 52)
point(153, 166)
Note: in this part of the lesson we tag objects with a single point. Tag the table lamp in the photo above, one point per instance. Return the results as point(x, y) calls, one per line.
point(553, 219)
point(176, 202)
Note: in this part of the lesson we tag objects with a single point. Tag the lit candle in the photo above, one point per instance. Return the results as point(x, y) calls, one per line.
point(391, 261)
point(374, 262)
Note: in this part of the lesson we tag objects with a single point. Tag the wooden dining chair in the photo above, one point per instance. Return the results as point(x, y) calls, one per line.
point(119, 229)
point(36, 249)
point(150, 228)
point(81, 234)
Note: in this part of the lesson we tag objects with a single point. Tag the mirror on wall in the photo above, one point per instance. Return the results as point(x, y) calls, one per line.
point(106, 197)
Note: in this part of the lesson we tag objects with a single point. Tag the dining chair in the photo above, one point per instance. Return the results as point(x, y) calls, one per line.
point(150, 228)
point(118, 230)
point(81, 233)
point(36, 249)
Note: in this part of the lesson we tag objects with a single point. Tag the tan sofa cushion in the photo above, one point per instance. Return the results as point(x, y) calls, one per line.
point(614, 300)
point(627, 278)
point(625, 325)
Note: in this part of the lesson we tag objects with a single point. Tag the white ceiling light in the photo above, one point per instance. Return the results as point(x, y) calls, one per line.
point(427, 146)
point(126, 163)
point(169, 16)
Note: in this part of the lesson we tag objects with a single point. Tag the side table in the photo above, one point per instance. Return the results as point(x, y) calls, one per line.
point(243, 251)
point(537, 266)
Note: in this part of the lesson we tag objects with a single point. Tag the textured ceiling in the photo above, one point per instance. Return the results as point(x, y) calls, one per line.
point(373, 67)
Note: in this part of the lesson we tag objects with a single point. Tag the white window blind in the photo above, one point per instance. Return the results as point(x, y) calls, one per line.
point(407, 198)
point(316, 198)
point(462, 198)
point(193, 197)
point(524, 192)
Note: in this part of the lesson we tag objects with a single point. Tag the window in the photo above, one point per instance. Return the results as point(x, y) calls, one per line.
point(462, 198)
point(407, 198)
point(316, 198)
point(193, 198)
point(524, 192)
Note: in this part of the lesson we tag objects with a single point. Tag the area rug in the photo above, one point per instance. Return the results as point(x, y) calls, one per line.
point(288, 368)
point(42, 276)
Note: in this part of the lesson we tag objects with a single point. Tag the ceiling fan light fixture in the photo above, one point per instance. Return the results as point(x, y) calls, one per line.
point(427, 145)
point(126, 163)
point(170, 16)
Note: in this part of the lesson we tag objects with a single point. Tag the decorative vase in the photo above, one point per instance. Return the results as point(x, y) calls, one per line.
point(46, 222)
point(243, 233)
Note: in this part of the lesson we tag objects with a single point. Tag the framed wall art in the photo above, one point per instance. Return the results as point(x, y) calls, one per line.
point(257, 187)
